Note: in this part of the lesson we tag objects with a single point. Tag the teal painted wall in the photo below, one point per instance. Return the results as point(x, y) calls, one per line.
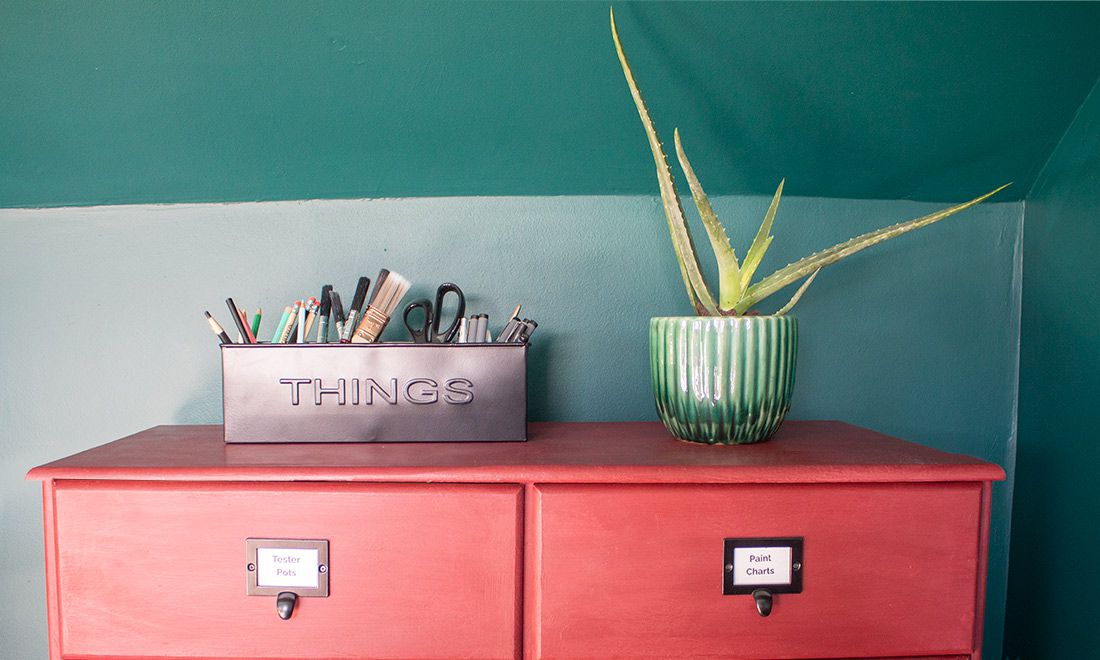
point(161, 101)
point(1053, 609)
point(519, 113)
point(917, 338)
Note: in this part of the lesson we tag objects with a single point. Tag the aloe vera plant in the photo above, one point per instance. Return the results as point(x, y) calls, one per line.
point(737, 295)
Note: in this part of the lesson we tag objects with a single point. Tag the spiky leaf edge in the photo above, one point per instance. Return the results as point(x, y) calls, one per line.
point(797, 294)
point(791, 273)
point(729, 271)
point(700, 296)
point(761, 242)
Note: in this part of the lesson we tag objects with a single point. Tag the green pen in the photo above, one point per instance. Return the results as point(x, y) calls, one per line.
point(256, 322)
point(282, 324)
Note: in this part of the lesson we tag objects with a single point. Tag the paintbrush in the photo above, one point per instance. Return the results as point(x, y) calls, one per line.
point(387, 295)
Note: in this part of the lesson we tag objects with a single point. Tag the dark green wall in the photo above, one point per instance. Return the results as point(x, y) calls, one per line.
point(162, 101)
point(1053, 608)
point(128, 101)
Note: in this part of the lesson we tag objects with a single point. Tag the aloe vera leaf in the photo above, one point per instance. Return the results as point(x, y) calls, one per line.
point(793, 272)
point(729, 277)
point(700, 296)
point(797, 294)
point(762, 241)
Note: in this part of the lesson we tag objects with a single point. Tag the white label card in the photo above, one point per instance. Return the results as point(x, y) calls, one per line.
point(287, 567)
point(752, 566)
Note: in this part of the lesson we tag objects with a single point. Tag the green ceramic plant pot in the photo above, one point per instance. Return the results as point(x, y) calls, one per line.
point(723, 380)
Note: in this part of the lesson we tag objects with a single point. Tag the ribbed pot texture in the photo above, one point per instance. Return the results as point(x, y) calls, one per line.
point(723, 380)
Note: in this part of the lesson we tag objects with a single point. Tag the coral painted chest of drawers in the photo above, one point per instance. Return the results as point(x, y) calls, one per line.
point(591, 540)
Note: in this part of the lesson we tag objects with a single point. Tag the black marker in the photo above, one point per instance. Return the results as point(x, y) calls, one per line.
point(528, 329)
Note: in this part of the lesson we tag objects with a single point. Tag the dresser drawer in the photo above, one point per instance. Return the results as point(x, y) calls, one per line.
point(416, 571)
point(636, 571)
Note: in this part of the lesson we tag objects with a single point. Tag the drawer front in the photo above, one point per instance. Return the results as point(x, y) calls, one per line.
point(623, 571)
point(416, 571)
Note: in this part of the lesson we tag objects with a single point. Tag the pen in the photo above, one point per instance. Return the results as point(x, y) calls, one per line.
point(218, 329)
point(507, 331)
point(528, 329)
point(480, 327)
point(512, 321)
point(522, 328)
point(356, 305)
point(513, 330)
point(245, 331)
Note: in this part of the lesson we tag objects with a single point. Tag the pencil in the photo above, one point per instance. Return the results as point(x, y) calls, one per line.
point(256, 322)
point(244, 321)
point(277, 337)
point(290, 322)
point(218, 329)
point(311, 317)
point(301, 328)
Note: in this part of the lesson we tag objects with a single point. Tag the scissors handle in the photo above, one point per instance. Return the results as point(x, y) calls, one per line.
point(419, 333)
point(447, 334)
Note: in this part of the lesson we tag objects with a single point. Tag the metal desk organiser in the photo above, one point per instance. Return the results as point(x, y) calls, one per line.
point(374, 392)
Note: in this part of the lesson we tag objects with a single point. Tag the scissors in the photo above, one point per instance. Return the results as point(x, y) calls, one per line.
point(428, 331)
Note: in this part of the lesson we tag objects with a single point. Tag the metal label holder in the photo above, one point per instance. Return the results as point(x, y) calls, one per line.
point(730, 566)
point(252, 546)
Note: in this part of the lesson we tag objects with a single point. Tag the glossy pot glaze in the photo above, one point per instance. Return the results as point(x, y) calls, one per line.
point(723, 380)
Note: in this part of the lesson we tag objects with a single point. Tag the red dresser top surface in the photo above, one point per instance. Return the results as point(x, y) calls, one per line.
point(562, 452)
